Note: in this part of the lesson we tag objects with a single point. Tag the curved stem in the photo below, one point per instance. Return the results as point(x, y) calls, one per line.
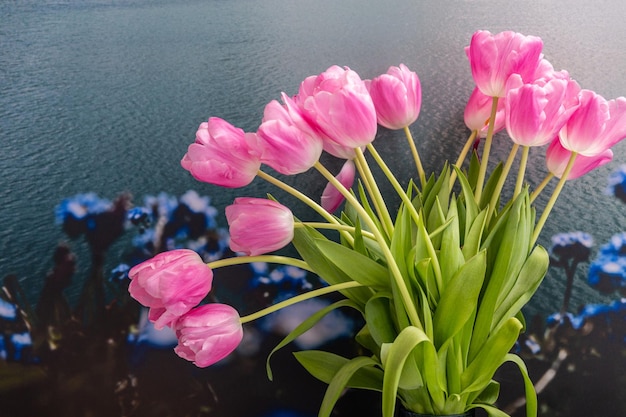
point(522, 171)
point(463, 155)
point(394, 181)
point(416, 156)
point(541, 186)
point(485, 157)
point(391, 262)
point(553, 198)
point(274, 259)
point(372, 187)
point(298, 298)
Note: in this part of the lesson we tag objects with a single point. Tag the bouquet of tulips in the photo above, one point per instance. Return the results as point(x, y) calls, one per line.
point(440, 280)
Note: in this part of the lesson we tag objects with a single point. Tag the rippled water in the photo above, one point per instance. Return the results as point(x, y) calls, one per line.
point(105, 96)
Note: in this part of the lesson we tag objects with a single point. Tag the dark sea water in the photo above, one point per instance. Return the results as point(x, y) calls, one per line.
point(105, 96)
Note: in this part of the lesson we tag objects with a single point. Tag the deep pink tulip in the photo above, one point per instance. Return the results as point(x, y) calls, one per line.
point(285, 146)
point(596, 125)
point(258, 225)
point(557, 158)
point(171, 284)
point(478, 111)
point(494, 58)
point(338, 108)
point(223, 155)
point(207, 334)
point(331, 197)
point(536, 112)
point(397, 97)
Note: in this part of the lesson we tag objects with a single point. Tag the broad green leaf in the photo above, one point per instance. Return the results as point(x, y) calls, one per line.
point(450, 254)
point(305, 326)
point(473, 237)
point(491, 410)
point(378, 312)
point(460, 298)
point(529, 388)
point(365, 339)
point(490, 186)
point(481, 370)
point(467, 200)
point(358, 267)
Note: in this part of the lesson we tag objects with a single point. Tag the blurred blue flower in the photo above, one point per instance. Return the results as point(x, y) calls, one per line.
point(80, 206)
point(558, 319)
point(617, 183)
point(119, 273)
point(615, 246)
point(607, 273)
point(572, 245)
point(8, 311)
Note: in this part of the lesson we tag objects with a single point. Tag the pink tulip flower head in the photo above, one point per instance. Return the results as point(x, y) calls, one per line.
point(170, 284)
point(595, 126)
point(557, 158)
point(536, 112)
point(478, 111)
point(258, 225)
point(338, 108)
point(223, 155)
point(331, 197)
point(397, 97)
point(494, 58)
point(285, 146)
point(207, 334)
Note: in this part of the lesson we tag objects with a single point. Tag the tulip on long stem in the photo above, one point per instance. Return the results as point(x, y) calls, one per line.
point(416, 156)
point(485, 157)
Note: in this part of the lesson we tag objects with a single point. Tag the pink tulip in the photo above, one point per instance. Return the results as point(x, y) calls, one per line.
point(595, 126)
point(171, 284)
point(338, 108)
point(331, 197)
point(223, 155)
point(536, 112)
point(207, 334)
point(258, 226)
point(478, 111)
point(285, 146)
point(557, 158)
point(494, 58)
point(397, 97)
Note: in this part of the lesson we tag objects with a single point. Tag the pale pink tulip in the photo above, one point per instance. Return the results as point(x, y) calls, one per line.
point(536, 112)
point(207, 334)
point(285, 146)
point(331, 197)
point(170, 284)
point(258, 225)
point(596, 125)
point(478, 111)
point(338, 108)
point(557, 158)
point(223, 155)
point(494, 58)
point(397, 97)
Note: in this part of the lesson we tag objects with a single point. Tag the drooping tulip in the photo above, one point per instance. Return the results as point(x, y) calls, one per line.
point(285, 146)
point(338, 108)
point(557, 158)
point(478, 111)
point(397, 97)
point(258, 225)
point(596, 125)
point(170, 284)
point(535, 112)
point(331, 197)
point(494, 58)
point(223, 155)
point(207, 334)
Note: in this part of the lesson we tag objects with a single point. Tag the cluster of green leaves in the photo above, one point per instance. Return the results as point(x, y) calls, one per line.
point(468, 271)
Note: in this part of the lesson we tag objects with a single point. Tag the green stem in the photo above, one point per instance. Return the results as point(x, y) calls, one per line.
point(486, 150)
point(463, 154)
point(274, 259)
point(541, 186)
point(339, 227)
point(502, 180)
point(416, 156)
point(298, 298)
point(372, 188)
point(394, 182)
point(391, 262)
point(522, 171)
point(553, 198)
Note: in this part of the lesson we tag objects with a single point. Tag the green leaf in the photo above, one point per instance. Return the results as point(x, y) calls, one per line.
point(473, 237)
point(305, 326)
point(460, 298)
point(378, 319)
point(450, 254)
point(529, 388)
point(467, 200)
